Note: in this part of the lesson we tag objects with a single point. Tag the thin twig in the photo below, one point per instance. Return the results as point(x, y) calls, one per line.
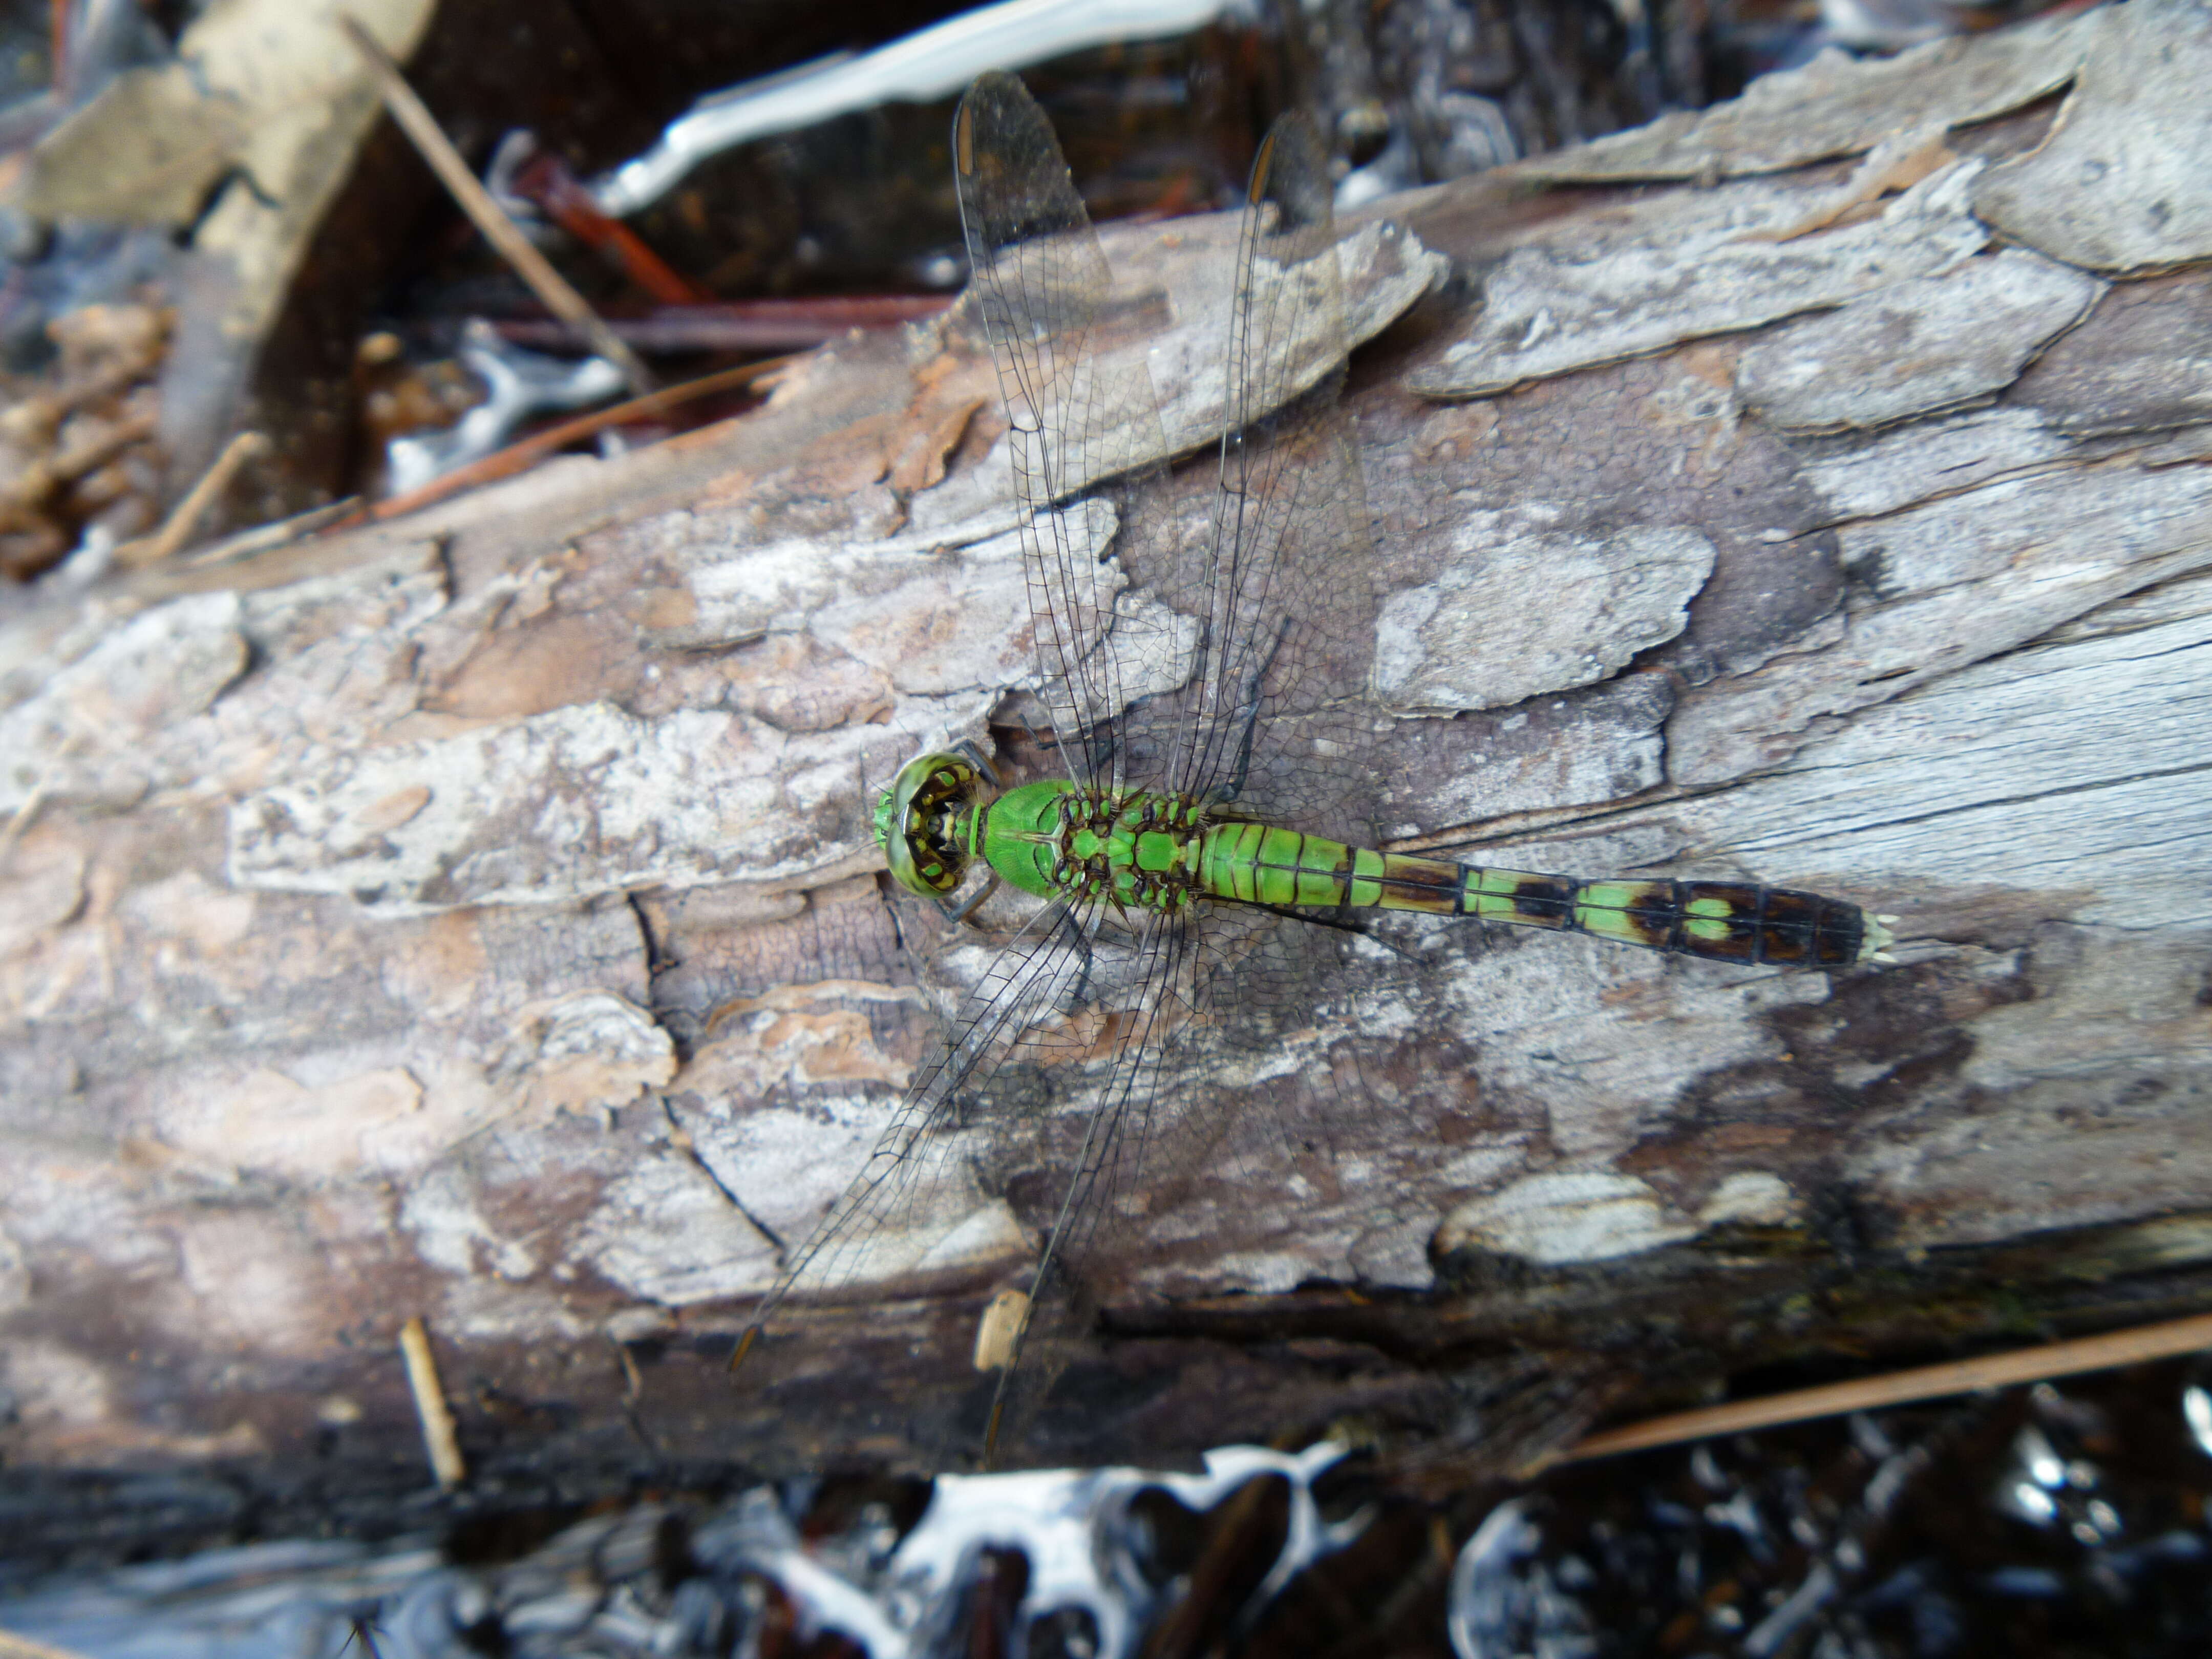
point(58, 34)
point(633, 1383)
point(42, 479)
point(281, 532)
point(415, 120)
point(2088, 1354)
point(180, 524)
point(25, 814)
point(505, 463)
point(438, 1437)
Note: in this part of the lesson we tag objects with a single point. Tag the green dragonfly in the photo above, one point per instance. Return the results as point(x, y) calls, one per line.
point(1175, 855)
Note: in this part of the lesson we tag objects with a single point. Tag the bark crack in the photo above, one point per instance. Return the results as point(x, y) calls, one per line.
point(680, 1137)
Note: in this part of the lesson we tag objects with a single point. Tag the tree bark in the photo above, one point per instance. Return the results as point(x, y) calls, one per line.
point(475, 916)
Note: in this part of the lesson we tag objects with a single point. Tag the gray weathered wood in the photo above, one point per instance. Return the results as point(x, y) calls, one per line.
point(475, 916)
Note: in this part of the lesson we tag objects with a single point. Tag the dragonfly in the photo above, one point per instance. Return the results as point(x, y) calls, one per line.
point(1186, 893)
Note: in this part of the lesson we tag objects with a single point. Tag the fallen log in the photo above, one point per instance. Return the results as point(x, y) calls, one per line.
point(474, 917)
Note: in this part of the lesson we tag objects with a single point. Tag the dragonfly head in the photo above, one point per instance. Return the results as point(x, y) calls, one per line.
point(925, 823)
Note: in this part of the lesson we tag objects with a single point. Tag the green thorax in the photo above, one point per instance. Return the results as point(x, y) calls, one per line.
point(1055, 839)
point(1052, 838)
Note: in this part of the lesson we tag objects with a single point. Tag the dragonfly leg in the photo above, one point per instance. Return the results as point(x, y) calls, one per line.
point(1247, 716)
point(961, 912)
point(969, 749)
point(1079, 943)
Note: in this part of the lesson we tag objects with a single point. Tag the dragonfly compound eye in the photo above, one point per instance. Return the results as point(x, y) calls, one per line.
point(925, 821)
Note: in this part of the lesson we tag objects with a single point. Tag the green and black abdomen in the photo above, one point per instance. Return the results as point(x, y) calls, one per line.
point(1720, 920)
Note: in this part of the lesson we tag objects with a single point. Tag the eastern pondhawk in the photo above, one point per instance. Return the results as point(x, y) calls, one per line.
point(1180, 882)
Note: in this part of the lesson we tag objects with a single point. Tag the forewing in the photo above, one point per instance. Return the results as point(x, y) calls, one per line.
point(1268, 725)
point(1079, 414)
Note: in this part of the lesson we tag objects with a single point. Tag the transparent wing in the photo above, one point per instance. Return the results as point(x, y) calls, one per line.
point(1279, 583)
point(1104, 1151)
point(1276, 587)
point(1056, 999)
point(1078, 415)
point(1267, 726)
point(1038, 979)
